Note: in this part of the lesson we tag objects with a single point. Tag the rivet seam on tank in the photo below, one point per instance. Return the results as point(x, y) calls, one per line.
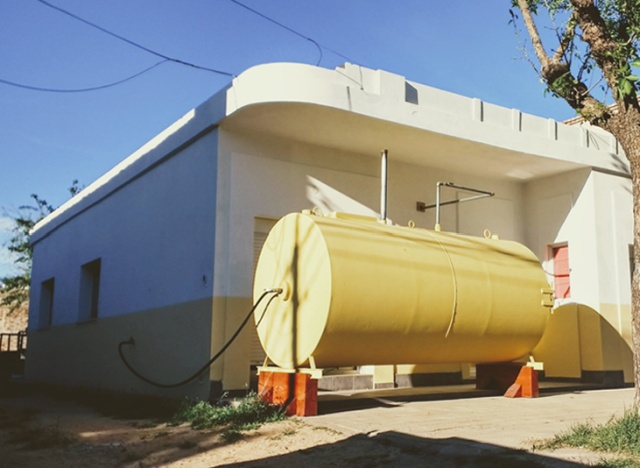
point(454, 310)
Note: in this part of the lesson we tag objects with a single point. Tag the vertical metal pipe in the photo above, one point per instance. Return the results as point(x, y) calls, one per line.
point(383, 186)
point(438, 185)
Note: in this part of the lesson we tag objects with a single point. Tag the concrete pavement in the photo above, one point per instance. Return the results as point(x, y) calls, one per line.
point(476, 425)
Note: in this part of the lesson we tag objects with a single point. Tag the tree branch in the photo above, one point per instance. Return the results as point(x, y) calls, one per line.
point(557, 73)
point(536, 42)
point(604, 49)
point(566, 39)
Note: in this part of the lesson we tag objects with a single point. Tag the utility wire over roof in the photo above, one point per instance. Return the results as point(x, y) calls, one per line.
point(82, 90)
point(293, 31)
point(135, 44)
point(165, 58)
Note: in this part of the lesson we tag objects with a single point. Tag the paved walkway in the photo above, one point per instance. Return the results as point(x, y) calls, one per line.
point(477, 425)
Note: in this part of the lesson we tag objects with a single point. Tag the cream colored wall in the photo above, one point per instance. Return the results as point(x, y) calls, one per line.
point(560, 209)
point(591, 212)
point(337, 186)
point(578, 338)
point(614, 233)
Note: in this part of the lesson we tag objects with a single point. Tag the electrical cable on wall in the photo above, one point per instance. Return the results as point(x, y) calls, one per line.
point(131, 342)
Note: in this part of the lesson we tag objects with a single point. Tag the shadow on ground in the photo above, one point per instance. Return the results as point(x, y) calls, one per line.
point(397, 449)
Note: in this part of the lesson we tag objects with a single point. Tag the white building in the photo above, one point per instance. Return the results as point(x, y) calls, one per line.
point(162, 247)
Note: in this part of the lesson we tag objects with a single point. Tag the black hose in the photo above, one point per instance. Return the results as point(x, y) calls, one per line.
point(131, 342)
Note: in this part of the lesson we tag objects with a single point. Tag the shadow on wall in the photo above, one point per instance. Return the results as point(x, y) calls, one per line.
point(579, 343)
point(621, 164)
point(328, 199)
point(548, 203)
point(397, 449)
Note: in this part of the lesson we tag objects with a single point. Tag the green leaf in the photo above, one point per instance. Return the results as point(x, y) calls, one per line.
point(635, 63)
point(632, 78)
point(624, 87)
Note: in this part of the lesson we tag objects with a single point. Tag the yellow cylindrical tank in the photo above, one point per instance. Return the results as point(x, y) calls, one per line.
point(359, 292)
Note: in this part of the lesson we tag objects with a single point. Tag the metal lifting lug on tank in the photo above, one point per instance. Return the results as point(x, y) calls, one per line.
point(360, 291)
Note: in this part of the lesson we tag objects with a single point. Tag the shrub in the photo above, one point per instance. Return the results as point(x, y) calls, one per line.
point(246, 414)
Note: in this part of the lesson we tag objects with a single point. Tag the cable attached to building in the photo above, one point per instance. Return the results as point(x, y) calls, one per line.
point(195, 375)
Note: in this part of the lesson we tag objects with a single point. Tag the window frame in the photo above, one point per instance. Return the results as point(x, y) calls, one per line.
point(45, 307)
point(89, 301)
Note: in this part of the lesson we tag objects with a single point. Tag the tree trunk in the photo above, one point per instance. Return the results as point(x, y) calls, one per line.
point(626, 128)
point(635, 284)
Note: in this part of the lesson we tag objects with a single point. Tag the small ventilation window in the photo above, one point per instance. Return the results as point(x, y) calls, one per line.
point(45, 318)
point(90, 290)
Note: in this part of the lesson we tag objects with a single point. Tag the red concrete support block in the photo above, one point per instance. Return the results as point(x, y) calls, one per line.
point(282, 388)
point(298, 391)
point(528, 379)
point(515, 391)
point(265, 386)
point(526, 384)
point(306, 396)
point(275, 387)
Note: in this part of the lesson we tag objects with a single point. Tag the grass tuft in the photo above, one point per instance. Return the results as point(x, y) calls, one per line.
point(618, 463)
point(619, 435)
point(247, 414)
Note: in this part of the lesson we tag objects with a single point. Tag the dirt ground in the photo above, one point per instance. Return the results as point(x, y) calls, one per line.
point(39, 429)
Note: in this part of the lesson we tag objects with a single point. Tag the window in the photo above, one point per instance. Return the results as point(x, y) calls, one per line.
point(46, 303)
point(89, 290)
point(561, 271)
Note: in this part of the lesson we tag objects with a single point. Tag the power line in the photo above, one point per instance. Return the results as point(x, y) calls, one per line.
point(165, 58)
point(82, 90)
point(135, 44)
point(293, 31)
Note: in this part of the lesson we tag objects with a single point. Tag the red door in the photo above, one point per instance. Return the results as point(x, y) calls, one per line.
point(562, 284)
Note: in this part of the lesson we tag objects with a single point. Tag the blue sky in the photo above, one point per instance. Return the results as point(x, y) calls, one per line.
point(49, 139)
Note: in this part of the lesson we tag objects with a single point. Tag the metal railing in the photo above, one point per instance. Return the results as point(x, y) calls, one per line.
point(13, 342)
